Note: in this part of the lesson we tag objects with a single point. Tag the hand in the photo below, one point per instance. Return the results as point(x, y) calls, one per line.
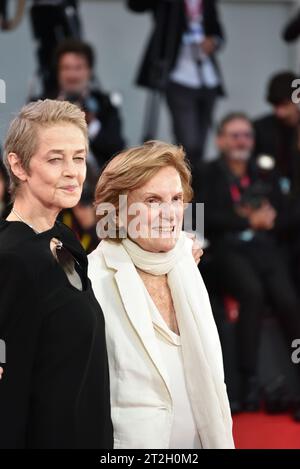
point(197, 251)
point(208, 45)
point(1, 372)
point(263, 218)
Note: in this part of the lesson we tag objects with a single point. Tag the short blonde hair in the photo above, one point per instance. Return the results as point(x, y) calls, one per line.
point(134, 167)
point(22, 135)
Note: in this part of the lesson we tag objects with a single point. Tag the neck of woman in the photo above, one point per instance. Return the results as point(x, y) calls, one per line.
point(35, 214)
point(158, 278)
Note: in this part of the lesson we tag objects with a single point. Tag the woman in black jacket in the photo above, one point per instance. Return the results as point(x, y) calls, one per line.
point(54, 391)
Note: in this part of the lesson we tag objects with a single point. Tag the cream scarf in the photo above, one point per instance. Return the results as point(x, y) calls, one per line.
point(202, 355)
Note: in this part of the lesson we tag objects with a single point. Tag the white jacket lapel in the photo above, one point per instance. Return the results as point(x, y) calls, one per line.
point(134, 302)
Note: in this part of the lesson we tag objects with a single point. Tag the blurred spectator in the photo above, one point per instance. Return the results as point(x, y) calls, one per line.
point(4, 194)
point(74, 67)
point(277, 135)
point(74, 64)
point(180, 60)
point(52, 21)
point(240, 216)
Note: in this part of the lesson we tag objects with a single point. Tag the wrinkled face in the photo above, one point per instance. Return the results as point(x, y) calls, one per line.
point(236, 140)
point(156, 221)
point(74, 73)
point(58, 168)
point(287, 112)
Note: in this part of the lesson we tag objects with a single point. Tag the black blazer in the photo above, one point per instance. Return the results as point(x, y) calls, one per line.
point(163, 47)
point(54, 393)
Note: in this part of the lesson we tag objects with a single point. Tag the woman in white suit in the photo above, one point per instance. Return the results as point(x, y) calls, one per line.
point(165, 359)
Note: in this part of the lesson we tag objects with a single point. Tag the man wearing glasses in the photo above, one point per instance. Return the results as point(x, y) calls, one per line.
point(243, 210)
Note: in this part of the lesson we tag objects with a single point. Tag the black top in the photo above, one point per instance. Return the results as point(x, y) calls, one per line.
point(55, 389)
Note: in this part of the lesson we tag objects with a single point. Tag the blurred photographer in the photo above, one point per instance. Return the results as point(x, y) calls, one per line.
point(243, 203)
point(278, 135)
point(180, 60)
point(74, 65)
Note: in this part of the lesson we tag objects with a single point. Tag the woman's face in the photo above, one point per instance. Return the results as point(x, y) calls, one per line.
point(58, 168)
point(161, 206)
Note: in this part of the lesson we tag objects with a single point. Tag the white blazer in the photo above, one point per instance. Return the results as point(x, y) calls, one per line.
point(141, 399)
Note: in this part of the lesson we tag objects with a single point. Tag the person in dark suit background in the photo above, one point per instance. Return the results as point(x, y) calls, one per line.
point(180, 60)
point(277, 135)
point(243, 208)
point(74, 67)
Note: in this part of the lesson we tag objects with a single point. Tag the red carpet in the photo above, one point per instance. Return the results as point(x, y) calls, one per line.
point(262, 431)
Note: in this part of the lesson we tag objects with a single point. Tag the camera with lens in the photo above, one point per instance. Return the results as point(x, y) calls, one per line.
point(260, 191)
point(256, 194)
